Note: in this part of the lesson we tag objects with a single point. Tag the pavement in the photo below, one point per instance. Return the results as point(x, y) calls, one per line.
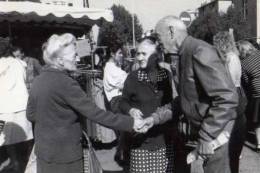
point(249, 163)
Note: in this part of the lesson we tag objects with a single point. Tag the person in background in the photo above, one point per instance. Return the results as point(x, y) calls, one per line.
point(208, 97)
point(250, 60)
point(33, 67)
point(225, 44)
point(114, 77)
point(113, 80)
point(145, 91)
point(57, 103)
point(17, 130)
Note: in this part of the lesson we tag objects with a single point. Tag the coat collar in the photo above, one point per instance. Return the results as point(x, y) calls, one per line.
point(55, 70)
point(185, 41)
point(142, 75)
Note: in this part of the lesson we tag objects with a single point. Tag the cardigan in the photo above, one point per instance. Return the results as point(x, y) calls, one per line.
point(56, 103)
point(139, 93)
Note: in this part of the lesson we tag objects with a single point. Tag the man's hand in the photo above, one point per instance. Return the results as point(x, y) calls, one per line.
point(205, 149)
point(135, 113)
point(149, 122)
point(138, 125)
point(143, 125)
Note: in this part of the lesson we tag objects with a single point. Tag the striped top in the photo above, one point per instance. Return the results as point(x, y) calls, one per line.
point(251, 73)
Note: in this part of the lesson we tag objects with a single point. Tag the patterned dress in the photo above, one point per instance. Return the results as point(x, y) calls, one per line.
point(150, 152)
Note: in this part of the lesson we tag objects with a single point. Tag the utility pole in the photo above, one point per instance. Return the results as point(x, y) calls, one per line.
point(133, 22)
point(86, 3)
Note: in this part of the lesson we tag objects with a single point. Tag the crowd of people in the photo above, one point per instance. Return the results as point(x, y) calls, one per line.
point(216, 87)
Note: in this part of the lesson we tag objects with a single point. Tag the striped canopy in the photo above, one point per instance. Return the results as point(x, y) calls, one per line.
point(46, 13)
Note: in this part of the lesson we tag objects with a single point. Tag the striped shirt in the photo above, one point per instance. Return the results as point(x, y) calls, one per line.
point(251, 73)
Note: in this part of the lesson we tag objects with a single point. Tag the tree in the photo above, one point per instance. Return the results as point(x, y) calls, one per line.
point(120, 30)
point(234, 18)
point(205, 27)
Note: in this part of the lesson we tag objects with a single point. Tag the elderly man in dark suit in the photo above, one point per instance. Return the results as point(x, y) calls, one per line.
point(207, 95)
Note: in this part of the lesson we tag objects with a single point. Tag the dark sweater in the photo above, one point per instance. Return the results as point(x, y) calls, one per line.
point(55, 104)
point(143, 96)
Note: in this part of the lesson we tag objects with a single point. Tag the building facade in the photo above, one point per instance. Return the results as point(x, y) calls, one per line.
point(251, 12)
point(249, 8)
point(217, 6)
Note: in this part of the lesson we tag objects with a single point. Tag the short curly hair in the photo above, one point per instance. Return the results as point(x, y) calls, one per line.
point(54, 45)
point(245, 48)
point(224, 42)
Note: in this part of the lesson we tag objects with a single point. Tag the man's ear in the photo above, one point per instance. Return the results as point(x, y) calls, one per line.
point(60, 61)
point(171, 30)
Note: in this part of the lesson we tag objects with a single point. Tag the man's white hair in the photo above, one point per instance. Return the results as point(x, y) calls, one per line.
point(171, 21)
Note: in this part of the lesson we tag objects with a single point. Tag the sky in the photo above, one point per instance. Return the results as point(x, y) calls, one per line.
point(150, 11)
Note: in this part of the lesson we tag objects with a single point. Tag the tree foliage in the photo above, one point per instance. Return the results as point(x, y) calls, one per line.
point(205, 27)
point(120, 30)
point(234, 19)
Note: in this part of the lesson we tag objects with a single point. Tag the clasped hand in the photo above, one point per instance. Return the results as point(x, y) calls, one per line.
point(141, 125)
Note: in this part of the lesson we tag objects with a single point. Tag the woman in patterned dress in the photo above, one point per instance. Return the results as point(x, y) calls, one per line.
point(148, 90)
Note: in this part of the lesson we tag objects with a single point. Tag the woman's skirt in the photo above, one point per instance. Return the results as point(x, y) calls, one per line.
point(151, 161)
point(253, 111)
point(16, 129)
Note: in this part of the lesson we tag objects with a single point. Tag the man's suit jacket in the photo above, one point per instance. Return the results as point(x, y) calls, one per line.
point(55, 105)
point(207, 95)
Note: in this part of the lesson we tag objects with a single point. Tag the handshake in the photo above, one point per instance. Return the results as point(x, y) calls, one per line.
point(160, 116)
point(141, 125)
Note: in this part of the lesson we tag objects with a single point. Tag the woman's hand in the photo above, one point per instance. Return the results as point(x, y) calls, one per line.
point(136, 113)
point(143, 125)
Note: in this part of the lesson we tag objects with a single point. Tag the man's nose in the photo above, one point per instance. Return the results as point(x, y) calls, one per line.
point(139, 57)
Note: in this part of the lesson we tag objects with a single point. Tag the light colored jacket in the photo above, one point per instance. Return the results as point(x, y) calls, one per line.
point(234, 67)
point(13, 91)
point(114, 78)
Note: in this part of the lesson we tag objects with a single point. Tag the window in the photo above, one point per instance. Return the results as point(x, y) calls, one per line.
point(245, 8)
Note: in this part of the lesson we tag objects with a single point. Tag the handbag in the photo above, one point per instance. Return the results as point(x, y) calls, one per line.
point(90, 160)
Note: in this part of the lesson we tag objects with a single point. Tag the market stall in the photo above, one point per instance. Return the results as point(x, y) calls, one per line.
point(29, 24)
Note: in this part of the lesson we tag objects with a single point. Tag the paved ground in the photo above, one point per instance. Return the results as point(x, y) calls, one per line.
point(249, 163)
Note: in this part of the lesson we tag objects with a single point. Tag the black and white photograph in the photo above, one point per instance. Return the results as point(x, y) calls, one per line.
point(129, 86)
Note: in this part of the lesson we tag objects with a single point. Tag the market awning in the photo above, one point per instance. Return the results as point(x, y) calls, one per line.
point(45, 13)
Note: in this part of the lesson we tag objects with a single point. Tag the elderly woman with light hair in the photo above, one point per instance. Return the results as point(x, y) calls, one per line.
point(56, 103)
point(250, 60)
